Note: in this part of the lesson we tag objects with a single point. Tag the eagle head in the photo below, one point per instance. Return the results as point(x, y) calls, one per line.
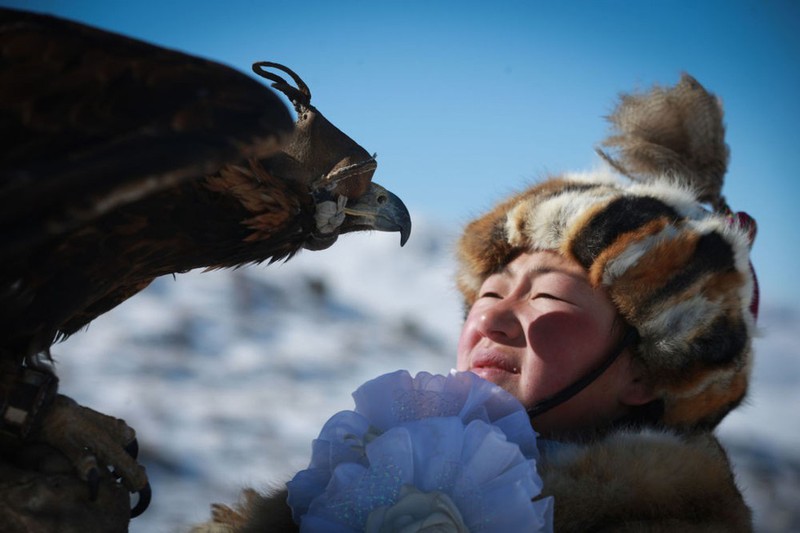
point(337, 170)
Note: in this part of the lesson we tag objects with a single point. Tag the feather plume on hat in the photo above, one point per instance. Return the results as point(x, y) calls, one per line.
point(676, 132)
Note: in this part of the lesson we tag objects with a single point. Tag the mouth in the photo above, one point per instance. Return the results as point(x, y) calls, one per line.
point(491, 363)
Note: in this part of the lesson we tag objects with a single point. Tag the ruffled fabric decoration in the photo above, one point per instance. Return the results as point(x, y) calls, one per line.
point(429, 453)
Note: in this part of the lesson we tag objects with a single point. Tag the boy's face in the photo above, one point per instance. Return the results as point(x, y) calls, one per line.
point(536, 327)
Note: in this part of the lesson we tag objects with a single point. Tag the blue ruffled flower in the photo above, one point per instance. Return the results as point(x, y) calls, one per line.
point(431, 451)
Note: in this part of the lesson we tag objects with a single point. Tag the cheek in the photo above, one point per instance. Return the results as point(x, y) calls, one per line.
point(572, 339)
point(564, 346)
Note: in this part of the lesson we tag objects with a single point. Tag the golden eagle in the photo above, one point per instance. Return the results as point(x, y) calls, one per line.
point(123, 161)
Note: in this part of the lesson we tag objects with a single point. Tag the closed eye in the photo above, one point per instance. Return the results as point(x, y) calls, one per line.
point(547, 295)
point(490, 295)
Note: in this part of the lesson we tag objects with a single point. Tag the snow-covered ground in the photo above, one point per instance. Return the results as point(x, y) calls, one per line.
point(228, 376)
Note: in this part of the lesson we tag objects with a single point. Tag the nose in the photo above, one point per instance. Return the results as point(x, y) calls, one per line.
point(499, 322)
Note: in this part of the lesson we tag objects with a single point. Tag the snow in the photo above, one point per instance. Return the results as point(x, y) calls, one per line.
point(227, 376)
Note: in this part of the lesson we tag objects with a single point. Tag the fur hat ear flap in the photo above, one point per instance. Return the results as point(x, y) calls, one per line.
point(484, 248)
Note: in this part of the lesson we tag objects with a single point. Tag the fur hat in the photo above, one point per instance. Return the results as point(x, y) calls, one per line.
point(676, 271)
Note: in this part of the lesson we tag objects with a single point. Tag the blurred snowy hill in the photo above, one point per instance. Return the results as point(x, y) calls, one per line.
point(228, 376)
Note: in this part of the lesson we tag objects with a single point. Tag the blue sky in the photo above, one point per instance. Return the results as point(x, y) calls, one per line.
point(466, 102)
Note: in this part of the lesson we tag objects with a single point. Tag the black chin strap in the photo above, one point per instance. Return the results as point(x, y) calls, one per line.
point(569, 391)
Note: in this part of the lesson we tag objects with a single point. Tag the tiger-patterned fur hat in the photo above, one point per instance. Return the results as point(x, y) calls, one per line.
point(677, 271)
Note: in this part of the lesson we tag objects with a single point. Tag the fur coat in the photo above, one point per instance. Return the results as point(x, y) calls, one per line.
point(629, 481)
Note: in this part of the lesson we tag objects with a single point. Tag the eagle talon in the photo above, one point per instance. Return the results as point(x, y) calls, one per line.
point(132, 448)
point(141, 506)
point(88, 439)
point(93, 481)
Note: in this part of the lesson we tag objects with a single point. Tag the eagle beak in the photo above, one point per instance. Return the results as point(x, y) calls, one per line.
point(380, 210)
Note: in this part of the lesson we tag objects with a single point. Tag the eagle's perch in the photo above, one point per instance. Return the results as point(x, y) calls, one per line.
point(122, 162)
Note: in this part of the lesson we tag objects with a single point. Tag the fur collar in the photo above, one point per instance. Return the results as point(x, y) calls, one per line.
point(644, 480)
point(628, 481)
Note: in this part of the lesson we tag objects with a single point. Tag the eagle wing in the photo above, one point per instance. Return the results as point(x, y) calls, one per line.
point(124, 161)
point(93, 120)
